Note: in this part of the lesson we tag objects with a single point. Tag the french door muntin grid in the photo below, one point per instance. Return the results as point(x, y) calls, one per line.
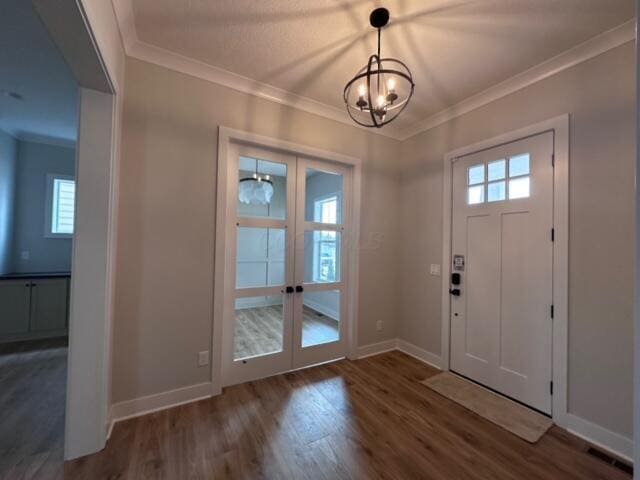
point(294, 352)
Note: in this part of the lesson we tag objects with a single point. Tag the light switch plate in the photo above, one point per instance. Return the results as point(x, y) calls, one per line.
point(434, 269)
point(203, 358)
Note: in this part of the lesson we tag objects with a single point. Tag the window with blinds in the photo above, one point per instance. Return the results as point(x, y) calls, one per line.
point(63, 191)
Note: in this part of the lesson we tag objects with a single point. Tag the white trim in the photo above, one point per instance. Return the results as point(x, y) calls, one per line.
point(225, 137)
point(45, 140)
point(421, 354)
point(159, 401)
point(580, 53)
point(140, 50)
point(560, 126)
point(376, 348)
point(636, 342)
point(612, 442)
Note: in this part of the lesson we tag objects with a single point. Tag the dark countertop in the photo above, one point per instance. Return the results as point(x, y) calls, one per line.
point(16, 276)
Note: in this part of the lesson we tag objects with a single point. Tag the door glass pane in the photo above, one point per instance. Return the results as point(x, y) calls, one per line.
point(476, 174)
point(260, 257)
point(475, 194)
point(496, 170)
point(320, 317)
point(323, 202)
point(496, 191)
point(322, 256)
point(258, 326)
point(262, 189)
point(519, 188)
point(519, 165)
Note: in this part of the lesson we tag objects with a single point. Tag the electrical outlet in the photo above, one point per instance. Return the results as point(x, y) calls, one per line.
point(25, 255)
point(379, 325)
point(203, 358)
point(434, 269)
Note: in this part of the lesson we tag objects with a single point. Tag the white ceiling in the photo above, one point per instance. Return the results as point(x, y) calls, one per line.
point(455, 48)
point(32, 67)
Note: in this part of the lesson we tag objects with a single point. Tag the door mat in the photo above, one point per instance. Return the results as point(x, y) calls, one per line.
point(513, 417)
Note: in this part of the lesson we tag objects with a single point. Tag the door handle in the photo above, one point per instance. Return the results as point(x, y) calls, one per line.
point(299, 288)
point(289, 289)
point(455, 292)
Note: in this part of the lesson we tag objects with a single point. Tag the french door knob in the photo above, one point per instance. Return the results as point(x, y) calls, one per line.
point(299, 288)
point(289, 289)
point(455, 292)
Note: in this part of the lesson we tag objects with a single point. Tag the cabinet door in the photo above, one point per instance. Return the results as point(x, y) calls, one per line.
point(49, 304)
point(14, 306)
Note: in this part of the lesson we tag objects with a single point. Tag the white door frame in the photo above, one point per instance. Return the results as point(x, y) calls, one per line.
point(560, 128)
point(225, 136)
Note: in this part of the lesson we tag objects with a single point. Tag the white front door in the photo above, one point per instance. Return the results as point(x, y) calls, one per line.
point(285, 295)
point(502, 264)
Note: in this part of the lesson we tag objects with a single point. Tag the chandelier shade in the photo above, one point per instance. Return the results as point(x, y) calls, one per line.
point(380, 90)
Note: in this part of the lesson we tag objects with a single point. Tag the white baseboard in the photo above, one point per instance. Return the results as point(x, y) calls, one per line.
point(421, 354)
point(160, 401)
point(376, 348)
point(610, 441)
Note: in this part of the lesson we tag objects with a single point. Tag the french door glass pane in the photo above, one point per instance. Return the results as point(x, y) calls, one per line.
point(323, 202)
point(322, 256)
point(266, 198)
point(260, 257)
point(258, 326)
point(320, 317)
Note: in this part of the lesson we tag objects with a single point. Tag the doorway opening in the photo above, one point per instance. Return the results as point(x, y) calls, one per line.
point(39, 101)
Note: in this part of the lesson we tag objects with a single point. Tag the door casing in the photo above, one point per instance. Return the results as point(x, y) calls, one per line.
point(223, 214)
point(560, 127)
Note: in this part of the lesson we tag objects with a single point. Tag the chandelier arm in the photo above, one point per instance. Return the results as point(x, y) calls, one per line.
point(371, 112)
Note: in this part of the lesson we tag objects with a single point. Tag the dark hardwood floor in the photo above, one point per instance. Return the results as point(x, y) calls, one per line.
point(364, 419)
point(32, 403)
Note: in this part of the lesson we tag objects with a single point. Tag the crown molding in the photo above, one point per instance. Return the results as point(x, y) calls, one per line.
point(593, 47)
point(44, 140)
point(135, 48)
point(179, 63)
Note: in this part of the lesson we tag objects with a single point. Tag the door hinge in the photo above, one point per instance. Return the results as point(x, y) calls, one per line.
point(551, 311)
point(553, 159)
point(551, 387)
point(553, 234)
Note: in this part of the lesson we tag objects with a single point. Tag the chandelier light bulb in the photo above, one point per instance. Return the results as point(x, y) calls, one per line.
point(362, 90)
point(381, 101)
point(391, 84)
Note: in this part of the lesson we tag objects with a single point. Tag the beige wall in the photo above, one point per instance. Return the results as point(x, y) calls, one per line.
point(599, 95)
point(164, 283)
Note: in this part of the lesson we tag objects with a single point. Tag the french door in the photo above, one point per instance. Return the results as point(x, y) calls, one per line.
point(502, 264)
point(285, 295)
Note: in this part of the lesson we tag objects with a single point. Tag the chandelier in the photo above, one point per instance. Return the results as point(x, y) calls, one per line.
point(381, 89)
point(256, 189)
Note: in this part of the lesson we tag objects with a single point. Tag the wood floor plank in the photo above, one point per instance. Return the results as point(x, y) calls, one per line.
point(364, 419)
